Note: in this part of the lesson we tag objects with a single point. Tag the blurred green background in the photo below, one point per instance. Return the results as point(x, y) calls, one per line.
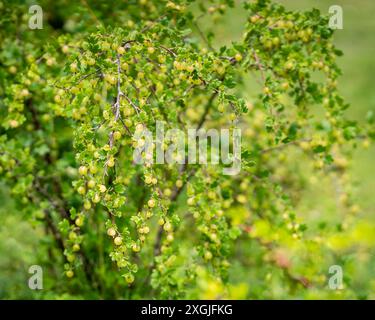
point(357, 41)
point(19, 239)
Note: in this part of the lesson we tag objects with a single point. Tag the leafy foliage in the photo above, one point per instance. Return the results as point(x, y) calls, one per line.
point(74, 93)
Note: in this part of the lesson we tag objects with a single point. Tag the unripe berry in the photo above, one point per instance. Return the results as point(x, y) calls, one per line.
point(90, 61)
point(73, 67)
point(65, 49)
point(136, 247)
point(190, 68)
point(225, 263)
point(211, 195)
point(97, 97)
point(305, 145)
point(179, 183)
point(79, 222)
point(254, 19)
point(289, 65)
point(72, 235)
point(111, 162)
point(226, 204)
point(167, 226)
point(96, 198)
point(12, 70)
point(176, 82)
point(178, 65)
point(46, 117)
point(120, 50)
point(76, 247)
point(238, 57)
point(69, 274)
point(211, 9)
point(151, 203)
point(366, 143)
point(111, 232)
point(13, 123)
point(122, 263)
point(214, 237)
point(244, 185)
point(91, 184)
point(93, 169)
point(128, 122)
point(170, 237)
point(24, 93)
point(105, 46)
point(268, 44)
point(146, 230)
point(82, 170)
point(87, 205)
point(167, 192)
point(220, 213)
point(208, 255)
point(117, 135)
point(118, 241)
point(110, 79)
point(129, 278)
point(276, 41)
point(285, 85)
point(161, 58)
point(241, 198)
point(81, 190)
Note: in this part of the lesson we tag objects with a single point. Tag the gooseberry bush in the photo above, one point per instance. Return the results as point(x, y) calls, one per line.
point(75, 93)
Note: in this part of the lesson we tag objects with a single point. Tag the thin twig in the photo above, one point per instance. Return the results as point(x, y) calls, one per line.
point(281, 146)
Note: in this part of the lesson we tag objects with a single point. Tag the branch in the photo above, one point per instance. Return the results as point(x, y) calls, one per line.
point(116, 105)
point(177, 191)
point(203, 36)
point(168, 50)
point(207, 110)
point(259, 65)
point(282, 146)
